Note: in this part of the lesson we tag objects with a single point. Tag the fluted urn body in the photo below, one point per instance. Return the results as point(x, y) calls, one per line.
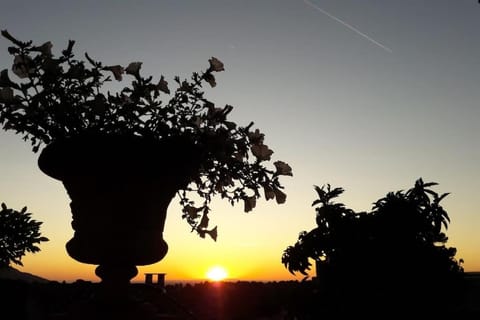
point(120, 188)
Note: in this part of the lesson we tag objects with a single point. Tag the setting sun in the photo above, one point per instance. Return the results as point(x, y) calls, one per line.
point(216, 273)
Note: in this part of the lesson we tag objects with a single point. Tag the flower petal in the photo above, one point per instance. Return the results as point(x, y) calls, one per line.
point(213, 233)
point(256, 137)
point(280, 196)
point(210, 79)
point(46, 49)
point(5, 80)
point(269, 193)
point(6, 94)
point(163, 85)
point(21, 66)
point(262, 152)
point(249, 203)
point(216, 65)
point(116, 70)
point(283, 168)
point(133, 68)
point(204, 222)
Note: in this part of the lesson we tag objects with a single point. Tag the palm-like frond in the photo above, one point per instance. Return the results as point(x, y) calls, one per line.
point(325, 194)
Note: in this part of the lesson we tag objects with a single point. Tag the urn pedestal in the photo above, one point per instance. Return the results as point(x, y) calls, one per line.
point(120, 188)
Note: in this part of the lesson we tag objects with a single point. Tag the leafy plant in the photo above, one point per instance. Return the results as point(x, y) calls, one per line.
point(391, 258)
point(62, 97)
point(403, 232)
point(19, 234)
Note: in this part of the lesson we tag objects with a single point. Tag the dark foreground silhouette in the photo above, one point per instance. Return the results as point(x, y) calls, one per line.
point(394, 257)
point(232, 300)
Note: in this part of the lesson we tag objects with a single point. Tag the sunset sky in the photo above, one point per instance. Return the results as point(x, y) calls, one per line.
point(365, 95)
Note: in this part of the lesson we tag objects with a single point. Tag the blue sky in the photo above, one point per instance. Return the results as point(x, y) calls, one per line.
point(335, 105)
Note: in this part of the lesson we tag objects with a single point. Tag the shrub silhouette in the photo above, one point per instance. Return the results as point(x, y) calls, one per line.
point(19, 234)
point(396, 251)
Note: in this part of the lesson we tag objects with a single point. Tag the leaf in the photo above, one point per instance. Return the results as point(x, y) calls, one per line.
point(192, 212)
point(67, 52)
point(92, 62)
point(315, 202)
point(13, 40)
point(440, 198)
point(213, 112)
point(429, 184)
point(13, 50)
point(216, 65)
point(335, 192)
point(186, 87)
point(230, 125)
point(320, 191)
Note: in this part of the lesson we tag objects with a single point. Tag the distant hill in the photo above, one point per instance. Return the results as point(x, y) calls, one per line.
point(9, 273)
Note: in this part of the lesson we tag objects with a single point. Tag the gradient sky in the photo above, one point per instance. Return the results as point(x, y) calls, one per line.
point(366, 95)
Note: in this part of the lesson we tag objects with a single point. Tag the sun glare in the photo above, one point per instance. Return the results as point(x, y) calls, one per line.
point(216, 273)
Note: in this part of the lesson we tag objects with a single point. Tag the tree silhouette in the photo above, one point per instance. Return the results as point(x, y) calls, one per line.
point(19, 234)
point(371, 257)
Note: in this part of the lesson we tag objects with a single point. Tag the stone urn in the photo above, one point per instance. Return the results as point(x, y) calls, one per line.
point(120, 188)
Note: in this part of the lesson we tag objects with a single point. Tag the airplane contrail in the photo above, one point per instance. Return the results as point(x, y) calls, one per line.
point(314, 6)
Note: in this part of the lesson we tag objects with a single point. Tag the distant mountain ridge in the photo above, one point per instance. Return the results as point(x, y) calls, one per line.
point(10, 273)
